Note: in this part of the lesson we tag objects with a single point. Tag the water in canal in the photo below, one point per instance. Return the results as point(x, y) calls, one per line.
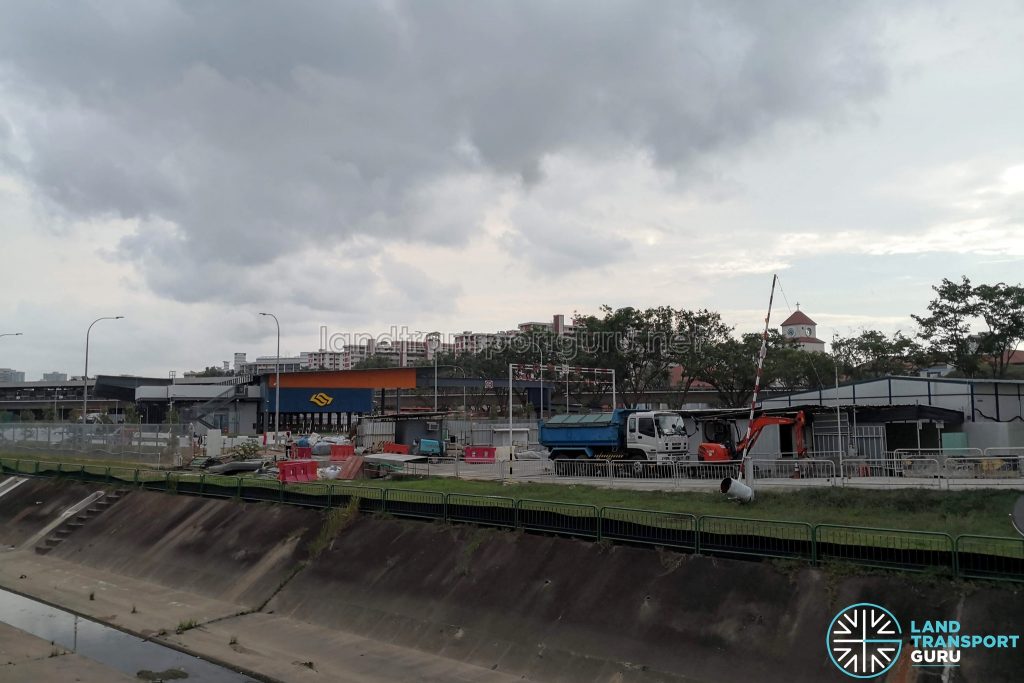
point(113, 648)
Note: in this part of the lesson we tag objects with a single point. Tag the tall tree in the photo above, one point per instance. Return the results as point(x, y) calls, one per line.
point(698, 333)
point(636, 343)
point(732, 366)
point(947, 328)
point(1001, 306)
point(874, 354)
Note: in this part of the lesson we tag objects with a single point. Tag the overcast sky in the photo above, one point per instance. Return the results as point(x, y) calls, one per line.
point(470, 165)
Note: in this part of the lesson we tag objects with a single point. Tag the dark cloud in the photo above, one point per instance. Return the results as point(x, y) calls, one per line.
point(240, 134)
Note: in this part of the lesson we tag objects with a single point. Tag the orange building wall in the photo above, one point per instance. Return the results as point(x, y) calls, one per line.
point(384, 378)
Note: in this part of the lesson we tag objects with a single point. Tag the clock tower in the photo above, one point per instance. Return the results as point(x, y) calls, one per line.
point(799, 328)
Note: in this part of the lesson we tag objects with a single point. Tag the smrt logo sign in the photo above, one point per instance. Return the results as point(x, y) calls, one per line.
point(321, 400)
point(864, 640)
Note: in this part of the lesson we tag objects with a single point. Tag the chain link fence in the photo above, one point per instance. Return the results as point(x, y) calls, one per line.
point(145, 444)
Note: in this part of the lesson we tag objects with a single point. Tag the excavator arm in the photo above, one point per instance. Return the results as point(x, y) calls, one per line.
point(765, 420)
point(716, 452)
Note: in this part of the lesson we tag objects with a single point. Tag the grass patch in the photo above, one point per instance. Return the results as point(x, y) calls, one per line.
point(72, 458)
point(186, 625)
point(337, 520)
point(977, 511)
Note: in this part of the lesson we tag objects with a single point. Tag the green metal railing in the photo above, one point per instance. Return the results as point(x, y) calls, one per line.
point(758, 537)
point(886, 548)
point(967, 556)
point(668, 529)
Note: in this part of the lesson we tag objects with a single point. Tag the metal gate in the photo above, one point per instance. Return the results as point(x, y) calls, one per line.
point(827, 439)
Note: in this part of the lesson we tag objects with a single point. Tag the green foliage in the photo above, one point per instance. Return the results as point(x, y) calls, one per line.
point(213, 371)
point(374, 362)
point(247, 449)
point(874, 354)
point(638, 344)
point(982, 511)
point(186, 625)
point(953, 333)
point(131, 413)
point(335, 521)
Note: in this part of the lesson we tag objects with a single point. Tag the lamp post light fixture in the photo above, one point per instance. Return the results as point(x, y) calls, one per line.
point(435, 347)
point(277, 382)
point(85, 377)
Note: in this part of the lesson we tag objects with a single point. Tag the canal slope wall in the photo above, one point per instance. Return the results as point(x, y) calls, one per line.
point(542, 608)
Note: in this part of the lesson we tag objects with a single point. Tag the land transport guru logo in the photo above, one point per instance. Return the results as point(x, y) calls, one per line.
point(865, 641)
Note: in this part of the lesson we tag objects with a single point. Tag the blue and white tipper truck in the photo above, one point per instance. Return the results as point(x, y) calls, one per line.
point(621, 435)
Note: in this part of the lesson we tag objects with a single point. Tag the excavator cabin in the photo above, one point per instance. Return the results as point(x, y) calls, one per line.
point(721, 442)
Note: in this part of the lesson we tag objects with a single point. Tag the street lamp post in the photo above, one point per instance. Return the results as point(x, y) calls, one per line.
point(85, 377)
point(436, 346)
point(277, 381)
point(839, 427)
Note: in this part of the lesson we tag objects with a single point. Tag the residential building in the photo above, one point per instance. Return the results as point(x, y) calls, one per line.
point(55, 377)
point(10, 375)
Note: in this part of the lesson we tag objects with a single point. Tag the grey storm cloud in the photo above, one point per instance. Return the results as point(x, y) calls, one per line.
point(240, 133)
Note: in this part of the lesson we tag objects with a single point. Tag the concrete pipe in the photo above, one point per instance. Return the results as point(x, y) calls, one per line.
point(737, 490)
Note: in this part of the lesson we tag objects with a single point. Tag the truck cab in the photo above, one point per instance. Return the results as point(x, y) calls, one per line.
point(623, 434)
point(655, 436)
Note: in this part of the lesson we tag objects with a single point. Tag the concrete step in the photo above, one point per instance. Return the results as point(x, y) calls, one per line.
point(42, 550)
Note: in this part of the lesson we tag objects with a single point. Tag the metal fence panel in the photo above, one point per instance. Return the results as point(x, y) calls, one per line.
point(370, 499)
point(129, 443)
point(413, 503)
point(487, 510)
point(990, 557)
point(670, 529)
point(641, 469)
point(567, 519)
point(988, 471)
point(762, 538)
point(898, 472)
point(310, 494)
point(255, 489)
point(218, 485)
point(152, 479)
point(795, 472)
point(889, 548)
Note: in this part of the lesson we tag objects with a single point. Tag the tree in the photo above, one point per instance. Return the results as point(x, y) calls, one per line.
point(637, 344)
point(873, 354)
point(732, 366)
point(789, 368)
point(375, 362)
point(213, 371)
point(698, 333)
point(947, 330)
point(1001, 306)
point(948, 327)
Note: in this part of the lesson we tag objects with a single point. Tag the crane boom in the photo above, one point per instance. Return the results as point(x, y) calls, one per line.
point(760, 369)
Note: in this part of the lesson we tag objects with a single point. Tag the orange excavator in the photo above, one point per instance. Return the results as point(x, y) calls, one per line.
point(722, 446)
